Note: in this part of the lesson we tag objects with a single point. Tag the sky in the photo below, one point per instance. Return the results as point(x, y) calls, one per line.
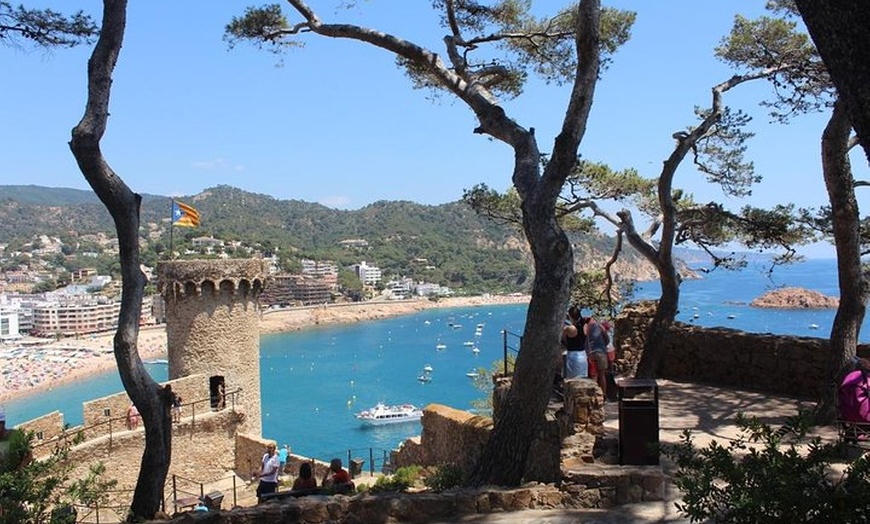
point(337, 123)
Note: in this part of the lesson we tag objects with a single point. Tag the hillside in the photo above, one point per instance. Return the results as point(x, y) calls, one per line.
point(447, 244)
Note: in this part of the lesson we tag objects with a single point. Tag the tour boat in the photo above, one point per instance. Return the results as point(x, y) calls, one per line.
point(382, 414)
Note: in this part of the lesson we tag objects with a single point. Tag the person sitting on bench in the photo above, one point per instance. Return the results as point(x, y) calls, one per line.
point(337, 478)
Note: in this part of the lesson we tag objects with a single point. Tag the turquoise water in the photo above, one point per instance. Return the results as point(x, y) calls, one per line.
point(315, 380)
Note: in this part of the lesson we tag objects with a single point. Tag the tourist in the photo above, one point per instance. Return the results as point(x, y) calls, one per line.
point(2, 422)
point(574, 340)
point(283, 453)
point(268, 473)
point(596, 352)
point(306, 479)
point(132, 417)
point(176, 408)
point(337, 477)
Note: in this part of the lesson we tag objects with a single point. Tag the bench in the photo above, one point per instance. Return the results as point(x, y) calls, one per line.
point(855, 433)
point(295, 493)
point(186, 502)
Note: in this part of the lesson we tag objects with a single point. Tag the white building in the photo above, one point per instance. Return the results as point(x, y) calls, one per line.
point(368, 275)
point(8, 319)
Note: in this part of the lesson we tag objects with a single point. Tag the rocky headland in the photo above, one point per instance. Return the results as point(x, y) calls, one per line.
point(795, 298)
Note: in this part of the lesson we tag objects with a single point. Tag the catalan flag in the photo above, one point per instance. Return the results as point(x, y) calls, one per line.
point(183, 215)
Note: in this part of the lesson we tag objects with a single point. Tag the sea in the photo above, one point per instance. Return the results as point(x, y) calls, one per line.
point(315, 380)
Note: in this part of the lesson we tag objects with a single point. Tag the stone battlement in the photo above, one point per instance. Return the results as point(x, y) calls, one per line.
point(197, 277)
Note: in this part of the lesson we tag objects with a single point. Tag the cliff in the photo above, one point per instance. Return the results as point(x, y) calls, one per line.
point(795, 298)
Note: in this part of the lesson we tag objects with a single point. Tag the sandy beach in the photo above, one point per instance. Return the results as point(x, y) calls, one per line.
point(39, 365)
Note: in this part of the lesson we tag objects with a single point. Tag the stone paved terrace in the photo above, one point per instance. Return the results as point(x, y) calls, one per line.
point(708, 411)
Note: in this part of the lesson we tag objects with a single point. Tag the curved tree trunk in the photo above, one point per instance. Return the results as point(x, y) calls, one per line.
point(666, 311)
point(846, 225)
point(503, 460)
point(840, 33)
point(124, 205)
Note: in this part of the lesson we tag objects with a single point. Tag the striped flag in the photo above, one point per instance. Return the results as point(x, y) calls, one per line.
point(184, 215)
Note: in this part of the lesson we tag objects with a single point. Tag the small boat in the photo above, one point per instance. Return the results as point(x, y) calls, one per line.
point(468, 343)
point(382, 414)
point(472, 374)
point(475, 350)
point(456, 326)
point(427, 368)
point(440, 346)
point(814, 326)
point(157, 361)
point(424, 378)
point(479, 327)
point(730, 316)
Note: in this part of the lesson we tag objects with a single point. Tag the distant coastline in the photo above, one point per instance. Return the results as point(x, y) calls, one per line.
point(28, 376)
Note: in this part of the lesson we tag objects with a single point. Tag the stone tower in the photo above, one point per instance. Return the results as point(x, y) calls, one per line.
point(212, 326)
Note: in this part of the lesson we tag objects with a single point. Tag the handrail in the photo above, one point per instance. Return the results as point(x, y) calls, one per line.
point(73, 432)
point(506, 347)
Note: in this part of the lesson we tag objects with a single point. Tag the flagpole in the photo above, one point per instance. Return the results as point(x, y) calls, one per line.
point(171, 225)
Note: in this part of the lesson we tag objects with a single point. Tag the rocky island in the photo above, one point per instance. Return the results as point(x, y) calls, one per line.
point(795, 298)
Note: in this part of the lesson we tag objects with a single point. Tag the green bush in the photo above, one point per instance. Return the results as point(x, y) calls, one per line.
point(401, 480)
point(444, 477)
point(768, 475)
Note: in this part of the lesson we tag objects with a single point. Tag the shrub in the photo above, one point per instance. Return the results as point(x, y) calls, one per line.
point(444, 477)
point(768, 475)
point(401, 480)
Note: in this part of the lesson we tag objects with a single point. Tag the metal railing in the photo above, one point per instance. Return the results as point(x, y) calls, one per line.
point(507, 339)
point(117, 425)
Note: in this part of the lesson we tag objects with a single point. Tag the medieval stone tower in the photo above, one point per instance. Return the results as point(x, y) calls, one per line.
point(212, 327)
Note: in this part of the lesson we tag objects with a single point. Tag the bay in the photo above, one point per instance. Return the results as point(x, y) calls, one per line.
point(313, 381)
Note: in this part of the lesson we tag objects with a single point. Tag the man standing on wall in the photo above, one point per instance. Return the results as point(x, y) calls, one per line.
point(268, 473)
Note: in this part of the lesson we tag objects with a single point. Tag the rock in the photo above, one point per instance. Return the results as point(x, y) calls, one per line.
point(795, 298)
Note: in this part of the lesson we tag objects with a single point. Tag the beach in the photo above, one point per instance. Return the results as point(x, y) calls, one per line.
point(38, 365)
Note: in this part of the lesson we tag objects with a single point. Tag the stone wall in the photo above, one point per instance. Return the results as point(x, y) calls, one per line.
point(45, 428)
point(249, 453)
point(201, 452)
point(784, 365)
point(450, 436)
point(108, 414)
point(395, 507)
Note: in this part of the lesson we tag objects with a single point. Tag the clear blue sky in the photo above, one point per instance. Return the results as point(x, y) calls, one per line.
point(338, 124)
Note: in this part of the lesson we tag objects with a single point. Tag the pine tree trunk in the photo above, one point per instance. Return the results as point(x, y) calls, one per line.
point(847, 237)
point(839, 30)
point(124, 206)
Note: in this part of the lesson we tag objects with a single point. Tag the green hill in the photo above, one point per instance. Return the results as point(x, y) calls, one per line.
point(446, 244)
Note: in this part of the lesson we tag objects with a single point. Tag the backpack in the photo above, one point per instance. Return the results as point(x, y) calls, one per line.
point(854, 397)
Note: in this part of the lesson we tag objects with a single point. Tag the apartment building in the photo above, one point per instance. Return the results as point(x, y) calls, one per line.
point(368, 275)
point(75, 317)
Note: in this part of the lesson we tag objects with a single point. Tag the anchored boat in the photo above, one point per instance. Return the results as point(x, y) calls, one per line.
point(382, 414)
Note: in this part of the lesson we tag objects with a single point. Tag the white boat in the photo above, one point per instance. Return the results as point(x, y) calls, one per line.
point(428, 368)
point(382, 414)
point(440, 346)
point(156, 361)
point(472, 374)
point(475, 350)
point(814, 326)
point(425, 377)
point(468, 343)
